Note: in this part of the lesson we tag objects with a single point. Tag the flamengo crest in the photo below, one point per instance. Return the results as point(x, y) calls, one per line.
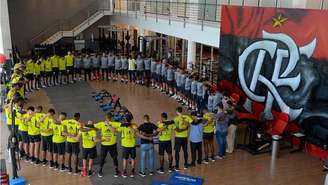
point(279, 79)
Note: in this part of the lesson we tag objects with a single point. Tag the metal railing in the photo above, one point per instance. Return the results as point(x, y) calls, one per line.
point(203, 13)
point(197, 13)
point(72, 22)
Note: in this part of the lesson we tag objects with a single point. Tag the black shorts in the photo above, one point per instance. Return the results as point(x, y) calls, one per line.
point(73, 148)
point(208, 136)
point(158, 78)
point(125, 71)
point(23, 136)
point(194, 97)
point(118, 71)
point(29, 76)
point(42, 74)
point(59, 148)
point(47, 144)
point(147, 73)
point(89, 153)
point(49, 73)
point(69, 69)
point(153, 76)
point(34, 138)
point(128, 152)
point(55, 70)
point(77, 70)
point(187, 93)
point(111, 149)
point(164, 146)
point(62, 72)
point(111, 69)
point(140, 73)
point(170, 83)
point(163, 79)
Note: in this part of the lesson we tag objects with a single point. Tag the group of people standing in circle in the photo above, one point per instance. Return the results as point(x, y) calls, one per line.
point(56, 141)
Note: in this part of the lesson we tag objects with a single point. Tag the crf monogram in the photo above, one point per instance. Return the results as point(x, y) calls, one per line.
point(279, 78)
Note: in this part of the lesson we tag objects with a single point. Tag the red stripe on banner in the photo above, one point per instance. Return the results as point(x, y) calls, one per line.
point(303, 25)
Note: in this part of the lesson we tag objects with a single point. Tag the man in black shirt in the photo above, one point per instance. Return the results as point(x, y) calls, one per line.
point(147, 129)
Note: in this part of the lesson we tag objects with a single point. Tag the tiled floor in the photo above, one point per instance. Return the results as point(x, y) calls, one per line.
point(240, 168)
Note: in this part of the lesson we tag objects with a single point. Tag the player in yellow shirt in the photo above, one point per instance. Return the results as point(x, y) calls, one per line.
point(48, 72)
point(29, 74)
point(208, 135)
point(46, 136)
point(42, 72)
point(129, 132)
point(165, 129)
point(59, 137)
point(182, 123)
point(8, 113)
point(62, 70)
point(34, 135)
point(108, 135)
point(23, 123)
point(72, 144)
point(13, 91)
point(89, 138)
point(37, 74)
point(55, 68)
point(69, 59)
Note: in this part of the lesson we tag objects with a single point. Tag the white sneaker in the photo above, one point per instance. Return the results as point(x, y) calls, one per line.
point(218, 157)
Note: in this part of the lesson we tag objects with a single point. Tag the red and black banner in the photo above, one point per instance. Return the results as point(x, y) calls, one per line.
point(278, 58)
point(303, 25)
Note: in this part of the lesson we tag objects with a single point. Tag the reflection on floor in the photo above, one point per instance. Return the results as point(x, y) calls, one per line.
point(238, 168)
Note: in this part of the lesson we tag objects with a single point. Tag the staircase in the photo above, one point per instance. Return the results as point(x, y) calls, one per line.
point(73, 25)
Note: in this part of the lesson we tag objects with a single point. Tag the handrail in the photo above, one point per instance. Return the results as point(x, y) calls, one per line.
point(71, 22)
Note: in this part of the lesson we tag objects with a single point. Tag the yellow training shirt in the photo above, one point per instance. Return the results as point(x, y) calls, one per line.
point(107, 136)
point(29, 67)
point(34, 124)
point(88, 139)
point(209, 117)
point(69, 60)
point(128, 138)
point(47, 65)
point(73, 128)
point(62, 64)
point(54, 61)
point(58, 130)
point(37, 69)
point(182, 122)
point(166, 133)
point(23, 124)
point(45, 125)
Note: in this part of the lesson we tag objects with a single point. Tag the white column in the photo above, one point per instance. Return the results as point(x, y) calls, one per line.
point(5, 37)
point(141, 34)
point(191, 55)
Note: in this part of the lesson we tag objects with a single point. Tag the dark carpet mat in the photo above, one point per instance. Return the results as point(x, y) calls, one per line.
point(78, 98)
point(75, 98)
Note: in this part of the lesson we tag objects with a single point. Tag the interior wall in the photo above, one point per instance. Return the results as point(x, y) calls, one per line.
point(29, 17)
point(93, 30)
